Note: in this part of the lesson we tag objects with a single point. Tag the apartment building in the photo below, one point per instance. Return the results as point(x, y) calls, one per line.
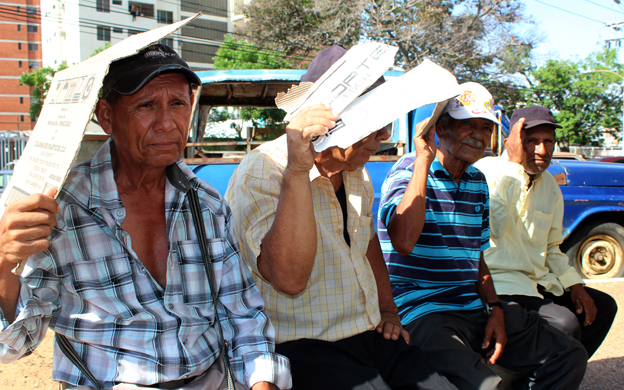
point(20, 51)
point(73, 29)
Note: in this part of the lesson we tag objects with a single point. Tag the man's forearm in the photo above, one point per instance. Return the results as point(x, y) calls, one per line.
point(9, 290)
point(408, 220)
point(289, 248)
point(382, 279)
point(485, 285)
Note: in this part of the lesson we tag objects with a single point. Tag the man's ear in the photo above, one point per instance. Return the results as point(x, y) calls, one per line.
point(103, 111)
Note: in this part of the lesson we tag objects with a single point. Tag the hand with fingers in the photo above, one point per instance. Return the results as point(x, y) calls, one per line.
point(26, 225)
point(391, 328)
point(312, 121)
point(495, 328)
point(583, 303)
point(513, 143)
point(425, 145)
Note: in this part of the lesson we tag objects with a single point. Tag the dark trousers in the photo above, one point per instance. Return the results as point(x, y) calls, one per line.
point(452, 343)
point(363, 362)
point(560, 312)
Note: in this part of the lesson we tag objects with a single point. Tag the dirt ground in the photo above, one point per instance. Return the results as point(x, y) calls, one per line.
point(604, 372)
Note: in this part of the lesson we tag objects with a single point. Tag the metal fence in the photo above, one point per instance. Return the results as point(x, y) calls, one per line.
point(11, 149)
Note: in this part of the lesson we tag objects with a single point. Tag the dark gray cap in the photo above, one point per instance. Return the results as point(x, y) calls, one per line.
point(533, 116)
point(128, 75)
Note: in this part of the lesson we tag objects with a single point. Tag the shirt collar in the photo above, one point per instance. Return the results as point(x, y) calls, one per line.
point(436, 166)
point(104, 193)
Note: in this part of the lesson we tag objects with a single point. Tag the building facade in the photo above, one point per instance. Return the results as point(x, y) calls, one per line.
point(20, 52)
point(73, 29)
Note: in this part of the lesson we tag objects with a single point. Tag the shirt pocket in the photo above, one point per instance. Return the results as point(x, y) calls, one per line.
point(539, 227)
point(106, 286)
point(193, 272)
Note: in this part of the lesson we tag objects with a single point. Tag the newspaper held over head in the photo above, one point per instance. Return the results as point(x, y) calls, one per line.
point(67, 110)
point(426, 84)
point(343, 82)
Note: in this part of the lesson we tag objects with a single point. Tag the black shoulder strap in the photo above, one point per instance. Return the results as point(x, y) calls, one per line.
point(198, 221)
point(73, 356)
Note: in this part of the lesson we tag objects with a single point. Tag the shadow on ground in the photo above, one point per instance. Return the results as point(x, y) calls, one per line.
point(604, 374)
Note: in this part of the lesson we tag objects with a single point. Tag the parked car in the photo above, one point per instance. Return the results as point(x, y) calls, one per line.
point(593, 191)
point(613, 159)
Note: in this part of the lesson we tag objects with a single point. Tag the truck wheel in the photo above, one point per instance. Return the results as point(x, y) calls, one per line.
point(599, 254)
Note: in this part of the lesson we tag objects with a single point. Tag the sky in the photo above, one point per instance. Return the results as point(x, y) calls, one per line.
point(572, 29)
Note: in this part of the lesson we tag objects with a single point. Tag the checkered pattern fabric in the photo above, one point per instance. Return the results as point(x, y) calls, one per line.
point(91, 287)
point(340, 299)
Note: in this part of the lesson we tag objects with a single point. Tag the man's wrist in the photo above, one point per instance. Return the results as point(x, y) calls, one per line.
point(490, 307)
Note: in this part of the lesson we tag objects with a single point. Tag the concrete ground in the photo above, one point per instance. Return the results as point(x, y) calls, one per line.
point(605, 370)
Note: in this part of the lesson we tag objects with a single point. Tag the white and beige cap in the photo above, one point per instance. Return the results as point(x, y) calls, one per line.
point(474, 102)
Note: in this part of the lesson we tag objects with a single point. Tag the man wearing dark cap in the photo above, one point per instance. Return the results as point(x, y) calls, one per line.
point(306, 230)
point(526, 229)
point(114, 264)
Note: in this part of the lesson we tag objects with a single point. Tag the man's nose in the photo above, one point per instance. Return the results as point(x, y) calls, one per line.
point(165, 120)
point(383, 134)
point(540, 148)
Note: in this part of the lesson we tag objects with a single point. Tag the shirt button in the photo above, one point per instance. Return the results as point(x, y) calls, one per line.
point(119, 213)
point(184, 341)
point(170, 306)
point(143, 270)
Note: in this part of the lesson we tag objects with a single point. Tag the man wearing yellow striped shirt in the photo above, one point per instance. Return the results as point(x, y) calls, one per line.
point(305, 226)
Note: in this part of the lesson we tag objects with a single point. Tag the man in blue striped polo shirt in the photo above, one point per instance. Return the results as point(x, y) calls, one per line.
point(434, 227)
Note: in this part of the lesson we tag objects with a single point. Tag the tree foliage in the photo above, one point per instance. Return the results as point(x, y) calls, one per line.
point(241, 54)
point(467, 37)
point(585, 96)
point(40, 80)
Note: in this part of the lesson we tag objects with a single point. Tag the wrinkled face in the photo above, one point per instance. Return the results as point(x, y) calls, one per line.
point(359, 153)
point(466, 139)
point(539, 145)
point(150, 127)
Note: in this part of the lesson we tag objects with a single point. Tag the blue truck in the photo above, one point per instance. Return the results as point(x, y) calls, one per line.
point(593, 191)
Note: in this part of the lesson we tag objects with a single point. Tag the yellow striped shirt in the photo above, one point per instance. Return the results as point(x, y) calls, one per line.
point(340, 299)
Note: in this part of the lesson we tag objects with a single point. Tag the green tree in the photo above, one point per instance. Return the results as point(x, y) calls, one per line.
point(40, 80)
point(101, 49)
point(241, 54)
point(467, 37)
point(584, 96)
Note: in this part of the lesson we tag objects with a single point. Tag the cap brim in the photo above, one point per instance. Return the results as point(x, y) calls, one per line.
point(468, 115)
point(424, 125)
point(537, 122)
point(136, 80)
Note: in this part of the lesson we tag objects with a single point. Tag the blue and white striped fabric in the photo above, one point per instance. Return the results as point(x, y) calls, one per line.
point(440, 273)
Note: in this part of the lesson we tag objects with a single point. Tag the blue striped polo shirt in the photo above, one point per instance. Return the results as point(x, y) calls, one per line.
point(440, 273)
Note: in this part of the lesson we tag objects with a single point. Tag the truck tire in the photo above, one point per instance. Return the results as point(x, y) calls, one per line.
point(599, 251)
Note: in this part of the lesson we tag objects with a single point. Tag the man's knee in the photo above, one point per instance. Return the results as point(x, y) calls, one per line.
point(566, 322)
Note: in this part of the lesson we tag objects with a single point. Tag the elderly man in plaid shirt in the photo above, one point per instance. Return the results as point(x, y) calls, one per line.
point(118, 270)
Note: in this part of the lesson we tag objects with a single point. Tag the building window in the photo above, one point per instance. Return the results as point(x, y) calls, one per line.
point(33, 65)
point(117, 2)
point(19, 45)
point(141, 9)
point(19, 27)
point(22, 118)
point(33, 46)
point(167, 42)
point(118, 30)
point(18, 8)
point(103, 6)
point(31, 10)
point(132, 32)
point(31, 28)
point(21, 100)
point(103, 33)
point(165, 17)
point(19, 64)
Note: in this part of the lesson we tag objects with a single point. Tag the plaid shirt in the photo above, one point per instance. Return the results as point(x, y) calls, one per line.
point(340, 299)
point(91, 287)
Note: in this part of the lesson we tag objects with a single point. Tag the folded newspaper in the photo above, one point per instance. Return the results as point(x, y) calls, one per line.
point(360, 116)
point(67, 110)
